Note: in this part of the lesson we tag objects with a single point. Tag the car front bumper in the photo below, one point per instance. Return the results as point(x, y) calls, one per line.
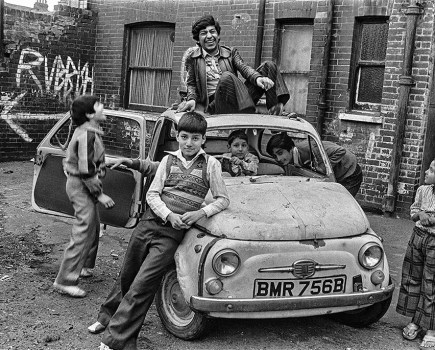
point(358, 300)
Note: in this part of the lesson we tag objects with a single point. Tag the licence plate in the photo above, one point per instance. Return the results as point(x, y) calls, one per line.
point(297, 287)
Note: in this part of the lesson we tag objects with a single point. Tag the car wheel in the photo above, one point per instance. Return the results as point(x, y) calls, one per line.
point(175, 314)
point(363, 317)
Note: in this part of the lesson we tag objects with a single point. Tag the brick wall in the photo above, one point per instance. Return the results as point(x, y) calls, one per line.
point(373, 142)
point(49, 60)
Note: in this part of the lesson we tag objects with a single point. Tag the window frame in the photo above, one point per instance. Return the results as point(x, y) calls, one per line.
point(356, 62)
point(126, 69)
point(277, 49)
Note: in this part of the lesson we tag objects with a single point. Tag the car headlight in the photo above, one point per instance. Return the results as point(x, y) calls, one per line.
point(370, 255)
point(226, 262)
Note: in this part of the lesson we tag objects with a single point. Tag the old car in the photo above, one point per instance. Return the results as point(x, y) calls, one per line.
point(287, 246)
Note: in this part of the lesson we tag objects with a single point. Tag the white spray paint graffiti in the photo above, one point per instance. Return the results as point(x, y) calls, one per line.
point(8, 103)
point(60, 79)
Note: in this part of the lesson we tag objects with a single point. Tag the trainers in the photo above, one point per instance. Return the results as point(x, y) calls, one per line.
point(96, 328)
point(72, 291)
point(104, 347)
point(86, 273)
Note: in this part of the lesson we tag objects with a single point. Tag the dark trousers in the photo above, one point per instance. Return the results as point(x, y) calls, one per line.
point(149, 254)
point(353, 182)
point(233, 96)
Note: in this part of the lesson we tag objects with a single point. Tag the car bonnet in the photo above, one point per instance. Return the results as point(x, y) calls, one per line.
point(287, 208)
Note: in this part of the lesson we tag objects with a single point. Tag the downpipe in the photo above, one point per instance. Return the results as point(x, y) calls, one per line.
point(406, 82)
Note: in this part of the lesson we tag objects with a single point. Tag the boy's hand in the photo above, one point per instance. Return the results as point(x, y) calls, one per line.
point(264, 83)
point(105, 200)
point(189, 106)
point(236, 160)
point(114, 163)
point(192, 216)
point(177, 222)
point(426, 219)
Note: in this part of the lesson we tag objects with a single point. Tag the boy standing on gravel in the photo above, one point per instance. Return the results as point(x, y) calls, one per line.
point(84, 166)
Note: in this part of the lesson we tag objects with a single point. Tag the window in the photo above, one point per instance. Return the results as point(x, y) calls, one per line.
point(149, 68)
point(295, 42)
point(368, 63)
point(121, 136)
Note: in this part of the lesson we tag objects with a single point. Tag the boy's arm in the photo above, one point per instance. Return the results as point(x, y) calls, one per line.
point(86, 166)
point(217, 188)
point(417, 211)
point(154, 192)
point(416, 206)
point(250, 164)
point(146, 167)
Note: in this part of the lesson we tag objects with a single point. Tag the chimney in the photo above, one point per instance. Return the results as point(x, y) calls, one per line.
point(41, 5)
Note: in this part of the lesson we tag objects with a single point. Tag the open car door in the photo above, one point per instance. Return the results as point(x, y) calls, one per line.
point(124, 136)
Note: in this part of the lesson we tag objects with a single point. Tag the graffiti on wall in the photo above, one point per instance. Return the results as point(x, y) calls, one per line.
point(61, 79)
point(9, 102)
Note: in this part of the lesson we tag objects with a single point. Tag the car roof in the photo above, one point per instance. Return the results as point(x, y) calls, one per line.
point(249, 121)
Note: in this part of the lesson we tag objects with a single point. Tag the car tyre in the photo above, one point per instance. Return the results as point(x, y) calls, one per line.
point(175, 314)
point(364, 317)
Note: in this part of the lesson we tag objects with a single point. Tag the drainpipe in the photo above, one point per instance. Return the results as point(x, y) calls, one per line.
point(322, 105)
point(2, 20)
point(260, 33)
point(406, 81)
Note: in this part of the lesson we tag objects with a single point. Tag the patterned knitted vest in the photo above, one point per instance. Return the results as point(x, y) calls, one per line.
point(185, 189)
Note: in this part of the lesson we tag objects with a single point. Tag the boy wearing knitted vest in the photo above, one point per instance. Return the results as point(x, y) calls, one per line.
point(175, 200)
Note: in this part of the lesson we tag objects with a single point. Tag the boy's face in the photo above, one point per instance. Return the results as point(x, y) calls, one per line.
point(190, 143)
point(209, 39)
point(98, 116)
point(238, 148)
point(283, 156)
point(429, 178)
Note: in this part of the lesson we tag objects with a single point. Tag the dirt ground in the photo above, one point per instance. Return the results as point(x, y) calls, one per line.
point(33, 316)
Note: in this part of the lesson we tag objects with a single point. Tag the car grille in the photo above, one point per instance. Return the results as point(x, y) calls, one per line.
point(304, 268)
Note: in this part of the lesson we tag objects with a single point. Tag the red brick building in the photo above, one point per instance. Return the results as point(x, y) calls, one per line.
point(361, 71)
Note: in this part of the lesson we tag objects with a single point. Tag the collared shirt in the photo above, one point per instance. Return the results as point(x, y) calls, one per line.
point(214, 177)
point(212, 70)
point(424, 201)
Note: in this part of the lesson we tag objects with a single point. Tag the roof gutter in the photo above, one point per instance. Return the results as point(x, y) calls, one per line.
point(406, 82)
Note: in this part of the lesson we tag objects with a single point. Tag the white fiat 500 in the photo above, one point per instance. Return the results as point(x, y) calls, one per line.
point(287, 246)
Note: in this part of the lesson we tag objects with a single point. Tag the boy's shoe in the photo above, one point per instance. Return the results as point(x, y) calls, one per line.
point(96, 328)
point(72, 291)
point(104, 347)
point(86, 273)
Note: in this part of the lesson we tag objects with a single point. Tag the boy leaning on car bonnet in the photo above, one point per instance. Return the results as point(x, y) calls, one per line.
point(175, 200)
point(83, 165)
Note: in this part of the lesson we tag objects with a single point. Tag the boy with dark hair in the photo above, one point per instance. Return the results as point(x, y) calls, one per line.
point(239, 162)
point(212, 76)
point(416, 294)
point(346, 169)
point(175, 200)
point(84, 166)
